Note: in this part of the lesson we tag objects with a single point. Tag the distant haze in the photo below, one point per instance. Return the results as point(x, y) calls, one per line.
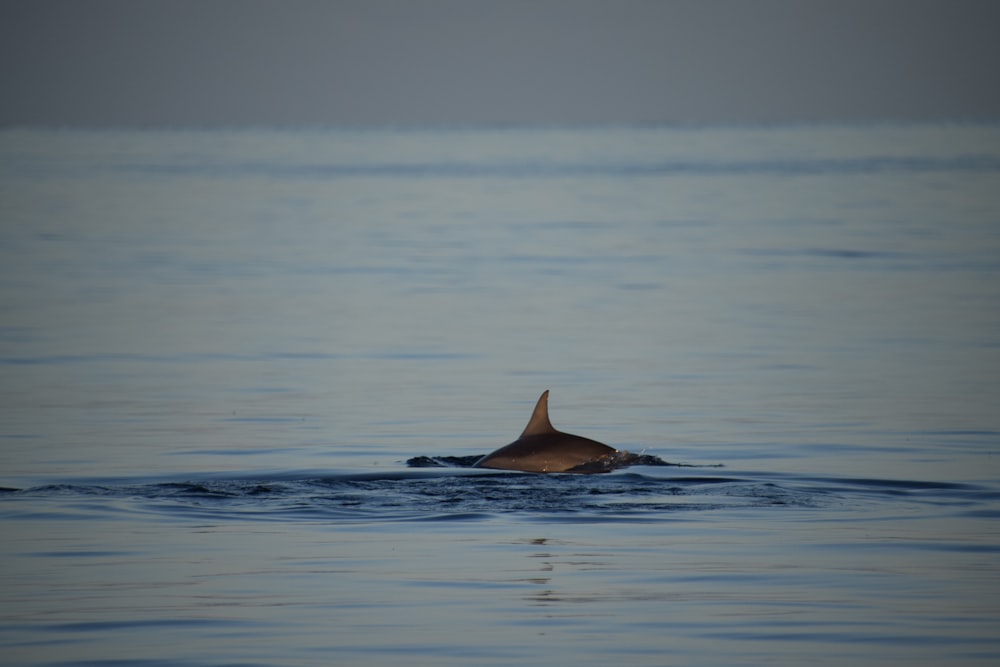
point(444, 62)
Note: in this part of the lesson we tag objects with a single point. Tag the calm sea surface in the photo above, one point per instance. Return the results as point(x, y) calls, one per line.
point(218, 349)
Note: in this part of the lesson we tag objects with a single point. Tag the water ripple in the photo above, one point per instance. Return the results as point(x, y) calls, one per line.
point(463, 494)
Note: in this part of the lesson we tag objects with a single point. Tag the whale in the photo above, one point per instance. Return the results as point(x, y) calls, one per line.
point(542, 448)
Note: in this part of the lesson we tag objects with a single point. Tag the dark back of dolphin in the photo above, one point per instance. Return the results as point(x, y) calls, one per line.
point(541, 448)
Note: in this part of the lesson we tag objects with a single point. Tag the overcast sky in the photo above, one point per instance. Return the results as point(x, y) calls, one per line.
point(442, 62)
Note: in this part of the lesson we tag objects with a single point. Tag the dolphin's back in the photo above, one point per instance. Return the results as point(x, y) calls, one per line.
point(549, 452)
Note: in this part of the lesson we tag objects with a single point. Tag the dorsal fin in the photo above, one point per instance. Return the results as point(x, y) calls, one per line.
point(539, 422)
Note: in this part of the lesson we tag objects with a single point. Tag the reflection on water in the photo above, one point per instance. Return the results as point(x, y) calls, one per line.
point(219, 350)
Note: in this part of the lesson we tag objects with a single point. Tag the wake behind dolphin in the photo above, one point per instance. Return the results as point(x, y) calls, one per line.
point(542, 448)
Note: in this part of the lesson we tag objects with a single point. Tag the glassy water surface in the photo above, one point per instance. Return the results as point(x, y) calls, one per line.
point(218, 349)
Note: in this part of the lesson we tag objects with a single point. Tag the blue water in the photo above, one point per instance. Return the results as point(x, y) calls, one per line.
point(218, 350)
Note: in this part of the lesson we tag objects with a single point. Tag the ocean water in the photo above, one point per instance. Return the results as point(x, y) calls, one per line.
point(219, 348)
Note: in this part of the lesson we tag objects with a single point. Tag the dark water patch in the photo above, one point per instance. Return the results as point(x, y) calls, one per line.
point(981, 514)
point(929, 492)
point(534, 169)
point(54, 490)
point(62, 359)
point(92, 626)
point(233, 452)
point(152, 662)
point(77, 553)
point(845, 638)
point(196, 490)
point(848, 253)
point(905, 485)
point(945, 546)
point(960, 432)
point(221, 357)
point(264, 420)
point(826, 253)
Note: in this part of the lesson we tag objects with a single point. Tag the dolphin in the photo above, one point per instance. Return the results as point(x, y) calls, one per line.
point(541, 448)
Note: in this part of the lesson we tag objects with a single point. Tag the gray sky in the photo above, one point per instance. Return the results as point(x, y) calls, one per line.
point(361, 62)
